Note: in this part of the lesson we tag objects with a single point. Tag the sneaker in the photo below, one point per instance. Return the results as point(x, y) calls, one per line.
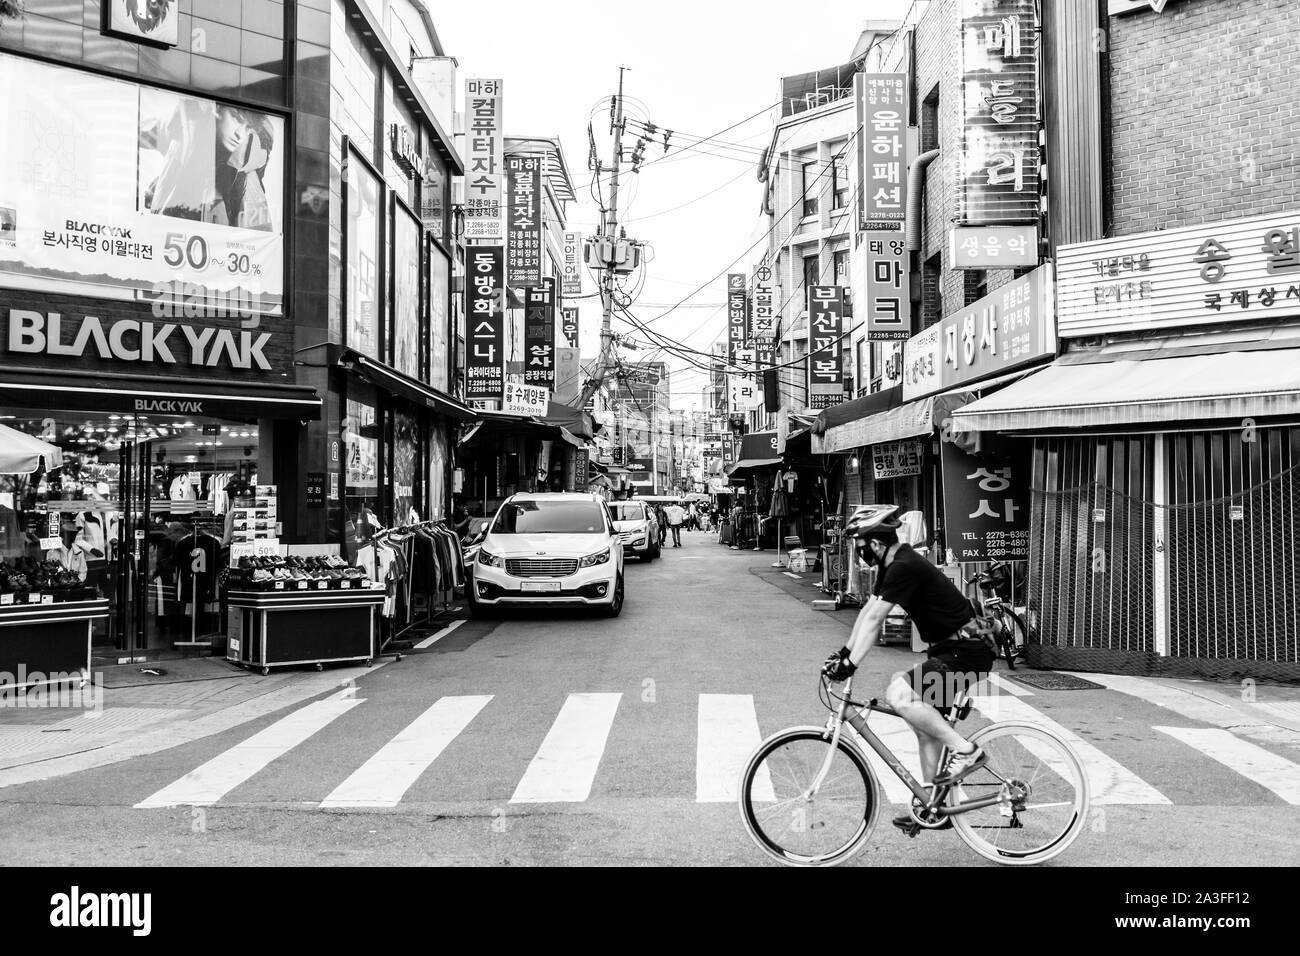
point(912, 828)
point(959, 765)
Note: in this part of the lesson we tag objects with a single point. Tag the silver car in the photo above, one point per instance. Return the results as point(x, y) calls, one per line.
point(637, 527)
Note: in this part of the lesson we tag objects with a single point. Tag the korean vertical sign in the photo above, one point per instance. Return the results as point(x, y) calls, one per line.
point(571, 265)
point(539, 335)
point(569, 325)
point(986, 501)
point(485, 319)
point(763, 331)
point(998, 177)
point(524, 221)
point(736, 314)
point(882, 149)
point(484, 146)
point(825, 345)
point(889, 304)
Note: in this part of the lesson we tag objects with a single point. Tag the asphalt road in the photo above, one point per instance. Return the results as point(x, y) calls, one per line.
point(561, 738)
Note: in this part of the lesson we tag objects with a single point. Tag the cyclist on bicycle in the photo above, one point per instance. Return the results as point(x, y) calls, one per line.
point(959, 653)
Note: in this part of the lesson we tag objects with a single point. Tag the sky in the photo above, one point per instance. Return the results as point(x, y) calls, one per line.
point(693, 67)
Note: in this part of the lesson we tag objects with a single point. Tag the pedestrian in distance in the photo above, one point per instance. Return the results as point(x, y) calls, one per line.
point(676, 516)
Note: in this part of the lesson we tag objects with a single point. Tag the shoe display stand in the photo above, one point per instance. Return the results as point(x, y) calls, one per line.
point(303, 626)
point(48, 643)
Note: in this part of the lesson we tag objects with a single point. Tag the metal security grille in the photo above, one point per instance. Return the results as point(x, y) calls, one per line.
point(1234, 567)
point(1226, 516)
point(1090, 543)
point(541, 567)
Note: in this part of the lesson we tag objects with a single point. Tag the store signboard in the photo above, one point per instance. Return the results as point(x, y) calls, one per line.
point(524, 399)
point(568, 375)
point(484, 163)
point(315, 489)
point(758, 445)
point(539, 335)
point(998, 179)
point(825, 335)
point(763, 319)
point(889, 306)
point(737, 326)
point(1010, 327)
point(569, 324)
point(1240, 270)
point(143, 22)
point(891, 364)
point(524, 221)
point(485, 322)
point(896, 459)
point(571, 265)
point(115, 190)
point(993, 247)
point(986, 501)
point(882, 150)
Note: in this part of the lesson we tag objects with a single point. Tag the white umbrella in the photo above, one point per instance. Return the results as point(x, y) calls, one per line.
point(21, 454)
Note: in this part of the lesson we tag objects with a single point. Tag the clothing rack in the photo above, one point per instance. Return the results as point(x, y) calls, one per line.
point(431, 612)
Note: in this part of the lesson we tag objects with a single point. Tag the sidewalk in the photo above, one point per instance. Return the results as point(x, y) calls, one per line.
point(124, 712)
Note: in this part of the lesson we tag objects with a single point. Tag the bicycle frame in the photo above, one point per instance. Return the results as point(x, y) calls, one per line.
point(930, 797)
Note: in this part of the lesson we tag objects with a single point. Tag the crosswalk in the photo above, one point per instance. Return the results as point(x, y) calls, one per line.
point(572, 758)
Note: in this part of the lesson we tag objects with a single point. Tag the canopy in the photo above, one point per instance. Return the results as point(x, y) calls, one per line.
point(21, 454)
point(1160, 391)
point(748, 464)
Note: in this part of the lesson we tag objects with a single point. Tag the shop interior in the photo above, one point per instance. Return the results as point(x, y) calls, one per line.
point(135, 498)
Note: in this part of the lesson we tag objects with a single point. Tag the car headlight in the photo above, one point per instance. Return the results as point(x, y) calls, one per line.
point(488, 559)
point(600, 557)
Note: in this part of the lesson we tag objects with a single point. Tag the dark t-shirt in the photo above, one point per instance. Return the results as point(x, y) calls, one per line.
point(932, 601)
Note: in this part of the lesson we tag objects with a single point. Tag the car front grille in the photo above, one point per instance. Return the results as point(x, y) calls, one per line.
point(541, 567)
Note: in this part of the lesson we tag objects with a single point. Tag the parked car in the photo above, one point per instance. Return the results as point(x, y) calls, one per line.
point(637, 527)
point(549, 550)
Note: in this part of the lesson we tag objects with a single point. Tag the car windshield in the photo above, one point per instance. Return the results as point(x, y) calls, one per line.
point(627, 510)
point(550, 517)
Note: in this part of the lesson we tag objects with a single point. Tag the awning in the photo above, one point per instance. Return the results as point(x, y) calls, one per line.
point(497, 422)
point(749, 464)
point(395, 383)
point(1065, 395)
point(75, 390)
point(24, 454)
point(905, 421)
point(851, 411)
point(574, 419)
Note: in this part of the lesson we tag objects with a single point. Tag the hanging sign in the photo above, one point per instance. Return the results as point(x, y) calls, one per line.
point(993, 247)
point(763, 326)
point(571, 265)
point(882, 149)
point(485, 322)
point(998, 177)
point(986, 502)
point(896, 459)
point(525, 399)
point(484, 166)
point(524, 221)
point(539, 335)
point(889, 306)
point(569, 325)
point(826, 333)
point(737, 326)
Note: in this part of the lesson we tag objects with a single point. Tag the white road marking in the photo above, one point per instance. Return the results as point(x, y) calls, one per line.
point(1110, 781)
point(1242, 721)
point(210, 782)
point(1250, 760)
point(565, 766)
point(383, 780)
point(791, 574)
point(435, 638)
point(727, 735)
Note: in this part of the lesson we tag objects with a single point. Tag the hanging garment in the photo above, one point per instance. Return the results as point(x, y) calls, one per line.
point(182, 489)
point(70, 559)
point(198, 586)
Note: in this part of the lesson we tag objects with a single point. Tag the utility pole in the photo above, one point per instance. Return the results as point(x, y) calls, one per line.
point(609, 229)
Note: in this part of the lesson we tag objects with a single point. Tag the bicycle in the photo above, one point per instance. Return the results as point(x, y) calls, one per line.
point(1009, 628)
point(804, 807)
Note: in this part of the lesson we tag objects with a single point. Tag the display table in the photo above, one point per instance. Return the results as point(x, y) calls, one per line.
point(48, 642)
point(280, 628)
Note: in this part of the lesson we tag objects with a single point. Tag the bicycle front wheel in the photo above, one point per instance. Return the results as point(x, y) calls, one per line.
point(787, 820)
point(1043, 789)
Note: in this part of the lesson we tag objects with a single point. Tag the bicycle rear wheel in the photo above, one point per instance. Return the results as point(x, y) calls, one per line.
point(798, 830)
point(1044, 790)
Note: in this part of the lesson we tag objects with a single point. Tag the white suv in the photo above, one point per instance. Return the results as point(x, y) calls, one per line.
point(549, 550)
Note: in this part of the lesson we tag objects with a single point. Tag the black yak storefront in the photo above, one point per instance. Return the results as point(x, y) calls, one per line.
point(161, 422)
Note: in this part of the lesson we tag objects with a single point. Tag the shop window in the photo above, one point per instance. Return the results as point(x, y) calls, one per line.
point(810, 188)
point(407, 480)
point(363, 237)
point(405, 316)
point(439, 319)
point(361, 443)
point(434, 196)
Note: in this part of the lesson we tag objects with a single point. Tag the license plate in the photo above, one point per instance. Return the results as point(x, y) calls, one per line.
point(539, 586)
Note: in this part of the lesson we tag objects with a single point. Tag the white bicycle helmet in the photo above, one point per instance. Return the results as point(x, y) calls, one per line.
point(868, 518)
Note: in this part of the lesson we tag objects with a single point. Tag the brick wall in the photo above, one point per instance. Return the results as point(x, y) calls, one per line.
point(1204, 113)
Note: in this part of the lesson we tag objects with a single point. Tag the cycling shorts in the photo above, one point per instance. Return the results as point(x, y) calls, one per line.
point(943, 677)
